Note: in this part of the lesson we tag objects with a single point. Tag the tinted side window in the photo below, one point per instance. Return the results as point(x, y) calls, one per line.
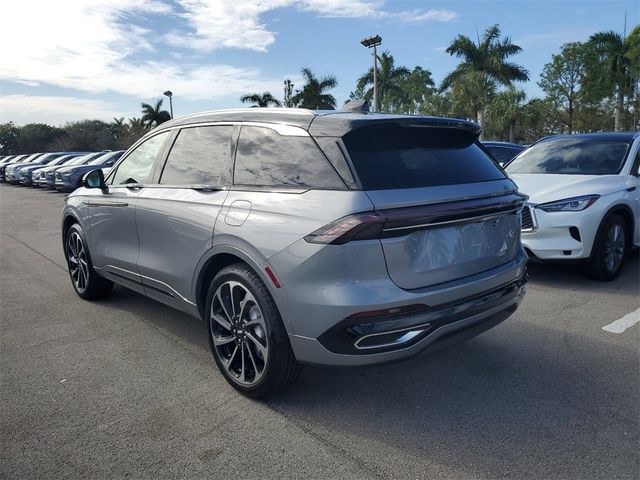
point(137, 166)
point(266, 158)
point(502, 155)
point(199, 156)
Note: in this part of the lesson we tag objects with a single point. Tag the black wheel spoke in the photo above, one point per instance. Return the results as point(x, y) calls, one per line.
point(77, 260)
point(238, 333)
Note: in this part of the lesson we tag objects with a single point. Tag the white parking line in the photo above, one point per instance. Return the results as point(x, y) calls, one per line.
point(622, 324)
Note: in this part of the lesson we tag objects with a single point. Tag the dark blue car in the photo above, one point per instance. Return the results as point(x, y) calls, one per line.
point(503, 152)
point(68, 178)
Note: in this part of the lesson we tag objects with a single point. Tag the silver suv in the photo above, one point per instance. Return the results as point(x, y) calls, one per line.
point(306, 237)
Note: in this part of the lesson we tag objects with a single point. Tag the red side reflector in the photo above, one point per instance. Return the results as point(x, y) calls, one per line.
point(390, 312)
point(272, 276)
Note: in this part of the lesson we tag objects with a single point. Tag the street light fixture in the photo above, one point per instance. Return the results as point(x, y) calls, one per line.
point(373, 42)
point(169, 94)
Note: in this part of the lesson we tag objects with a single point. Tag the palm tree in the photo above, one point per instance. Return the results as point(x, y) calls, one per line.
point(119, 127)
point(389, 79)
point(261, 99)
point(153, 115)
point(313, 93)
point(613, 50)
point(507, 107)
point(137, 127)
point(483, 63)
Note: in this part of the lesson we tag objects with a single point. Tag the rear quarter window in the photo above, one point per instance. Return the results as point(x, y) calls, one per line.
point(392, 156)
point(265, 158)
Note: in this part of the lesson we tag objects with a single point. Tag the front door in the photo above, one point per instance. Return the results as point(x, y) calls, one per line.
point(113, 237)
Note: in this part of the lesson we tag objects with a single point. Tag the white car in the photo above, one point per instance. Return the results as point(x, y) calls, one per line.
point(584, 199)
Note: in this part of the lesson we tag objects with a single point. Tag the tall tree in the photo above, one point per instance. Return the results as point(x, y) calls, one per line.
point(482, 63)
point(389, 79)
point(261, 100)
point(9, 138)
point(613, 52)
point(89, 135)
point(506, 108)
point(38, 137)
point(416, 88)
point(153, 115)
point(313, 94)
point(562, 79)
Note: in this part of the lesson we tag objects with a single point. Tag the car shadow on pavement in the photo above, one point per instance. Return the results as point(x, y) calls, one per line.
point(500, 405)
point(572, 276)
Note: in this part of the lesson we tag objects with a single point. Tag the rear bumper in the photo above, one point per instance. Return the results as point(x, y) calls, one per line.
point(449, 325)
point(320, 317)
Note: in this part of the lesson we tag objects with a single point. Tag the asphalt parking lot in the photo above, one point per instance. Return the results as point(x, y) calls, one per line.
point(127, 388)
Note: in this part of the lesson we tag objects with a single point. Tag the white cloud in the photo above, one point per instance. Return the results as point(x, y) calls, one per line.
point(418, 16)
point(92, 46)
point(215, 24)
point(54, 110)
point(102, 46)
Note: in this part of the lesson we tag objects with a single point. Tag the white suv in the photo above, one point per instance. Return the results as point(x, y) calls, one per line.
point(584, 193)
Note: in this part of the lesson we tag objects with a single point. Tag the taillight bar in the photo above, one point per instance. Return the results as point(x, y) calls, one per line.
point(402, 221)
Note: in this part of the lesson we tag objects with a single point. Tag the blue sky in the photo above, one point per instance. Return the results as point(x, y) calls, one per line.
point(100, 58)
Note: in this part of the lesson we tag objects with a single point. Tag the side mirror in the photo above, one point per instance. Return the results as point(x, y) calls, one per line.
point(94, 179)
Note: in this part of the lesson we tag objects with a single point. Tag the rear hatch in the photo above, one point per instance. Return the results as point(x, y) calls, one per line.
point(449, 211)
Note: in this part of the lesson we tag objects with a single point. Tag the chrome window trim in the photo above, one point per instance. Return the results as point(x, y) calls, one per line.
point(283, 129)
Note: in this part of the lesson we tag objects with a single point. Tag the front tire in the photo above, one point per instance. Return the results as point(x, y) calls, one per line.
point(609, 249)
point(247, 337)
point(86, 282)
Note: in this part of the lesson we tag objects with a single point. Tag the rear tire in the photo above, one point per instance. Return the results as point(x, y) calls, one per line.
point(609, 249)
point(248, 340)
point(86, 282)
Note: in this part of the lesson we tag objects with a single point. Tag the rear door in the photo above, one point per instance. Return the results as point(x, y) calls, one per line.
point(451, 211)
point(113, 237)
point(175, 215)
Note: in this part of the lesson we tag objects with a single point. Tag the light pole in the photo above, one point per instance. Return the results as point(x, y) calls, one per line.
point(373, 42)
point(170, 95)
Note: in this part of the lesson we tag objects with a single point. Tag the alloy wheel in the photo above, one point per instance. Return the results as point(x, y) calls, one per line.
point(77, 258)
point(614, 247)
point(239, 333)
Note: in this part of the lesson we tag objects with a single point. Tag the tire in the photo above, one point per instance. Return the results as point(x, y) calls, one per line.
point(86, 282)
point(248, 340)
point(609, 249)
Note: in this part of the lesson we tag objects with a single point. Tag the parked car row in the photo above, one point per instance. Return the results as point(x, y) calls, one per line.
point(62, 171)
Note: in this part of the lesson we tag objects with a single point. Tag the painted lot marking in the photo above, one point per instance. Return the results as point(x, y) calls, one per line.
point(622, 324)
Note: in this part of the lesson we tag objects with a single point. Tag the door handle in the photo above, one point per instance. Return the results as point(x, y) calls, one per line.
point(206, 188)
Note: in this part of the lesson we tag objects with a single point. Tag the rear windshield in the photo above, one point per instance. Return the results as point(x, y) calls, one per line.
point(411, 156)
point(567, 156)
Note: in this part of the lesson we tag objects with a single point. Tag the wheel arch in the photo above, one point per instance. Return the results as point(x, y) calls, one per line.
point(215, 260)
point(627, 215)
point(68, 218)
